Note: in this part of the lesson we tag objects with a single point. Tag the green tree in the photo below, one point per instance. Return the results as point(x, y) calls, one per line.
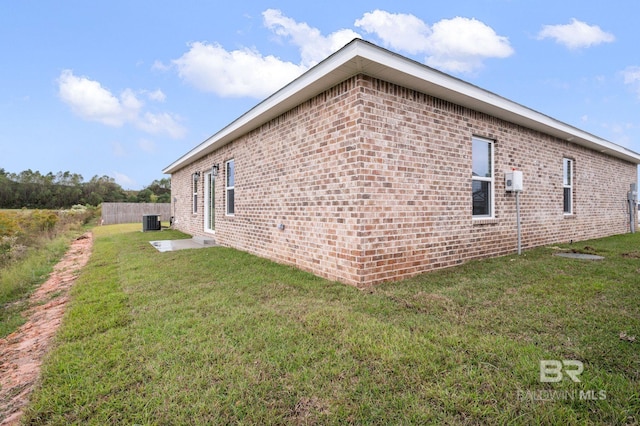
point(161, 189)
point(164, 198)
point(144, 196)
point(60, 190)
point(103, 189)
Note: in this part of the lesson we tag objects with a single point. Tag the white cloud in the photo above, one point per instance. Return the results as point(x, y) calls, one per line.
point(159, 66)
point(89, 100)
point(458, 44)
point(124, 180)
point(631, 77)
point(314, 47)
point(131, 105)
point(461, 44)
point(246, 72)
point(211, 68)
point(162, 123)
point(157, 95)
point(576, 35)
point(397, 30)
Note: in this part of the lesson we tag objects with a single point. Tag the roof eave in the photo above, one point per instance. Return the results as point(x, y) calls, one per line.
point(361, 57)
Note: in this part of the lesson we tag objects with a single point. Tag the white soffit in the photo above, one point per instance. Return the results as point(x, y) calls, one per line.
point(361, 57)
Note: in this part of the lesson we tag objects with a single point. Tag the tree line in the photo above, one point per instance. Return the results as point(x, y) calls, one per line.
point(34, 190)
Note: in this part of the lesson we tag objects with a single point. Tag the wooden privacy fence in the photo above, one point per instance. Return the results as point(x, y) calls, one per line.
point(132, 212)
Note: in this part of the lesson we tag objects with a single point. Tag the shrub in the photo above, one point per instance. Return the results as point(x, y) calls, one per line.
point(10, 248)
point(43, 220)
point(23, 229)
point(78, 214)
point(10, 234)
point(8, 224)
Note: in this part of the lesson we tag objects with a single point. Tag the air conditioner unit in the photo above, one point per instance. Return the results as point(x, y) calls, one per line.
point(150, 222)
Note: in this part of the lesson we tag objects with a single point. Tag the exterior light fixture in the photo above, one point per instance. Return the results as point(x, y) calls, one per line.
point(215, 169)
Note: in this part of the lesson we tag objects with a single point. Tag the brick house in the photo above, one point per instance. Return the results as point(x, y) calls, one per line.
point(371, 167)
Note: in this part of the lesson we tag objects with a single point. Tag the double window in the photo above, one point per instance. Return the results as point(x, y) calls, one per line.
point(230, 187)
point(567, 185)
point(482, 177)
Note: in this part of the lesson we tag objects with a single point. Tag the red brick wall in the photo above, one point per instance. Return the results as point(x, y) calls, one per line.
point(373, 183)
point(418, 216)
point(296, 170)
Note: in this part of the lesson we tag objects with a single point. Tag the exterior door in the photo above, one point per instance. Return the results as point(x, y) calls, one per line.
point(209, 202)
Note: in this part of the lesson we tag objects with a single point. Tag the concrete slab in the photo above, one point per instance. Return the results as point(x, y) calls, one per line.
point(187, 243)
point(205, 241)
point(582, 256)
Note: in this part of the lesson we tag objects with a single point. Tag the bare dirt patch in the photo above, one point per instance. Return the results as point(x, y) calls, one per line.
point(22, 351)
point(307, 410)
point(631, 255)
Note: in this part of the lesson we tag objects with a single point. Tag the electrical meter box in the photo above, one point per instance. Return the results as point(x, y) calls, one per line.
point(513, 181)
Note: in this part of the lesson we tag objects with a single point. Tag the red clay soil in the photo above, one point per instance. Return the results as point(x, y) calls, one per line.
point(22, 351)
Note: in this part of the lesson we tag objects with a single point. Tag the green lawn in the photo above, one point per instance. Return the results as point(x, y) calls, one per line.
point(217, 336)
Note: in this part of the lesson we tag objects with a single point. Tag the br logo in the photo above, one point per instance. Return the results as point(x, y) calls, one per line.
point(552, 370)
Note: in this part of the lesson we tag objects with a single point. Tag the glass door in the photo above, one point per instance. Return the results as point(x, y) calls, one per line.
point(209, 202)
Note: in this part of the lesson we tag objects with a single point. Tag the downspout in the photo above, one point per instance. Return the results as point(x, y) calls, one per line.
point(518, 222)
point(173, 218)
point(632, 201)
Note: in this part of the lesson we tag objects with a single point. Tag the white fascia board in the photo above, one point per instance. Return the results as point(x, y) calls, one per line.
point(328, 73)
point(413, 75)
point(362, 57)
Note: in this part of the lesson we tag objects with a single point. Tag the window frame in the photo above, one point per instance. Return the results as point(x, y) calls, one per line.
point(209, 188)
point(491, 179)
point(567, 184)
point(229, 188)
point(194, 192)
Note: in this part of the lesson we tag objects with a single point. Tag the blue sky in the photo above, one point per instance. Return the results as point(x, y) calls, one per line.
point(124, 88)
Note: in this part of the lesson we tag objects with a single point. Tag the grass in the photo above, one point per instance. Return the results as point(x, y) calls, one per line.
point(217, 336)
point(19, 279)
point(38, 250)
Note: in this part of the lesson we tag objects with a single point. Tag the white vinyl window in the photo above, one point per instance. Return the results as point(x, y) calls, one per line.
point(482, 177)
point(567, 185)
point(194, 182)
point(230, 187)
point(209, 202)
